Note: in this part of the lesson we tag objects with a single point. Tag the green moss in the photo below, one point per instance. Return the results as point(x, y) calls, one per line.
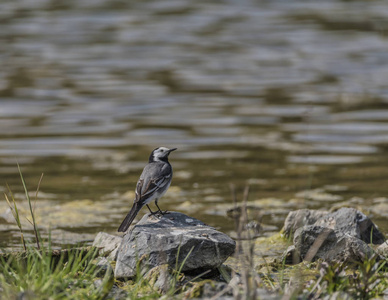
point(265, 250)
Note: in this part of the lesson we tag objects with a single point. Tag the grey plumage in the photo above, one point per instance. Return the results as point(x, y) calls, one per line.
point(153, 183)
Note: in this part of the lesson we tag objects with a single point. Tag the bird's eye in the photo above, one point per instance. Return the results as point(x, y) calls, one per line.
point(162, 150)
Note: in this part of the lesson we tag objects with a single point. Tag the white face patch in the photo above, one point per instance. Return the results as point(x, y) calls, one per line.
point(163, 149)
point(161, 152)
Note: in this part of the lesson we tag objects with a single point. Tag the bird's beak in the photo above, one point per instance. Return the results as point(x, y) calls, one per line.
point(172, 149)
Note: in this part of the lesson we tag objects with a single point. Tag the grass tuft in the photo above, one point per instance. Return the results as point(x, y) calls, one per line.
point(15, 213)
point(43, 273)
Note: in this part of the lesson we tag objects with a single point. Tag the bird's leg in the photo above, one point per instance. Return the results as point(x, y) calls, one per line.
point(161, 212)
point(152, 212)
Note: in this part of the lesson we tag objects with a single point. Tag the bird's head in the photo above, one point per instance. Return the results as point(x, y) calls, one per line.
point(160, 154)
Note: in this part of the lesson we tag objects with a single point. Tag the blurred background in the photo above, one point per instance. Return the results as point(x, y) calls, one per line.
point(288, 97)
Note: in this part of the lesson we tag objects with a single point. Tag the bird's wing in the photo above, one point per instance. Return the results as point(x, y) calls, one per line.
point(152, 179)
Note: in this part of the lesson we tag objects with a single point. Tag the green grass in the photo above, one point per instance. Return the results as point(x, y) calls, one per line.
point(44, 273)
point(367, 280)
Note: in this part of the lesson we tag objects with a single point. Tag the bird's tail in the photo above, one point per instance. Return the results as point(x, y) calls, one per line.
point(129, 218)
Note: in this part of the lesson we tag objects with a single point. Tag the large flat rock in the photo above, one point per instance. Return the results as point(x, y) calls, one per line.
point(172, 239)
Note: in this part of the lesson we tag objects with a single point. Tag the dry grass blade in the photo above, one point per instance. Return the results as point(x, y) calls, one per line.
point(236, 216)
point(12, 209)
point(15, 212)
point(317, 244)
point(30, 205)
point(244, 254)
point(29, 221)
point(37, 191)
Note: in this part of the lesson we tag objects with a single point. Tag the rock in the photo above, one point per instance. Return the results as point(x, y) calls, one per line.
point(161, 278)
point(108, 244)
point(340, 236)
point(383, 250)
point(156, 241)
point(103, 266)
point(350, 221)
point(299, 218)
point(316, 242)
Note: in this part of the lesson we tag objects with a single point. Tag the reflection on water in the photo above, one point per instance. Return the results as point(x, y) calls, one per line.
point(286, 96)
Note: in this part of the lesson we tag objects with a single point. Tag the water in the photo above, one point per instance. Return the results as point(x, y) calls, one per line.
point(283, 96)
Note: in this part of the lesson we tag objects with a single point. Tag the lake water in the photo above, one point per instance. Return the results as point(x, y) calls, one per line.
point(290, 97)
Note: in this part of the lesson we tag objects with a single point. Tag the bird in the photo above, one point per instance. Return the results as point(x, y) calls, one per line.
point(153, 183)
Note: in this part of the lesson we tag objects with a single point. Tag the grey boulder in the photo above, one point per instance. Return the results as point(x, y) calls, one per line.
point(316, 242)
point(350, 221)
point(300, 218)
point(341, 236)
point(174, 239)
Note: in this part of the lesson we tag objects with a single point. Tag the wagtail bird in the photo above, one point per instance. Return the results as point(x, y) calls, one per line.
point(152, 185)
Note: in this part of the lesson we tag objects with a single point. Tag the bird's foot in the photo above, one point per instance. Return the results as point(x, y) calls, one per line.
point(161, 213)
point(159, 210)
point(152, 213)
